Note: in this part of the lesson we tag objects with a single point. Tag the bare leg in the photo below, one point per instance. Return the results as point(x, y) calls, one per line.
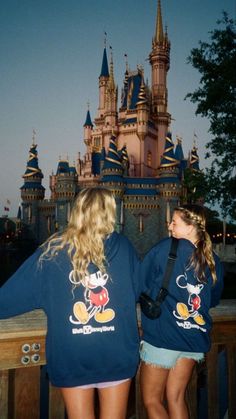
point(153, 381)
point(79, 402)
point(176, 385)
point(113, 401)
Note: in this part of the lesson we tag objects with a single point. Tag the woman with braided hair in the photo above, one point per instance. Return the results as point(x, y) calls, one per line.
point(176, 340)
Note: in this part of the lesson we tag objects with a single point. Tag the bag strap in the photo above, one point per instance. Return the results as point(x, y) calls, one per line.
point(169, 268)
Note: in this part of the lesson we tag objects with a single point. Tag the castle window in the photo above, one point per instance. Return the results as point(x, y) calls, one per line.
point(149, 159)
point(97, 141)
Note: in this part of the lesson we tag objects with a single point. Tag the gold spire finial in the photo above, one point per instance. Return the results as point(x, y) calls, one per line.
point(126, 62)
point(195, 137)
point(159, 36)
point(33, 137)
point(105, 39)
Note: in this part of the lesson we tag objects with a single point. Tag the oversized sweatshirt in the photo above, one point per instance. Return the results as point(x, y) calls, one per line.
point(185, 322)
point(92, 333)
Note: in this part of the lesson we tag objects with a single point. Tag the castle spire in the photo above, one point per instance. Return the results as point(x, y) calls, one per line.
point(159, 59)
point(111, 68)
point(194, 158)
point(88, 121)
point(32, 189)
point(103, 82)
point(159, 35)
point(104, 69)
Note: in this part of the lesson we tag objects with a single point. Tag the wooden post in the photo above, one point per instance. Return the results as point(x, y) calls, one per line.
point(231, 360)
point(56, 405)
point(4, 385)
point(24, 400)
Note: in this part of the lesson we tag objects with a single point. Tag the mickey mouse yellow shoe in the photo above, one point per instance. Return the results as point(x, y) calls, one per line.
point(105, 316)
point(199, 319)
point(80, 312)
point(182, 310)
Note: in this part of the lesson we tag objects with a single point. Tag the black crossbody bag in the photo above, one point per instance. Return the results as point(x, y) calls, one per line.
point(152, 308)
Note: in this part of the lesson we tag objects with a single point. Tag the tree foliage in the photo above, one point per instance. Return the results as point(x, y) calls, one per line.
point(215, 99)
point(195, 186)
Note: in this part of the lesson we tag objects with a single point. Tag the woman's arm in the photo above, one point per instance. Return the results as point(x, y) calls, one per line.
point(22, 291)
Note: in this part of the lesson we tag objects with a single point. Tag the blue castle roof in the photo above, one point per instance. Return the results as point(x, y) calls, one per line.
point(88, 121)
point(32, 168)
point(194, 159)
point(179, 155)
point(131, 90)
point(96, 160)
point(168, 159)
point(112, 168)
point(63, 167)
point(104, 69)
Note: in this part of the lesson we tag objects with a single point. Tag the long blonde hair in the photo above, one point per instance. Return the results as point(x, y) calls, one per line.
point(92, 219)
point(202, 257)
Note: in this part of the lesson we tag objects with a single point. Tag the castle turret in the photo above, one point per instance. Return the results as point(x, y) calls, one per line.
point(142, 124)
point(103, 82)
point(179, 155)
point(194, 159)
point(88, 127)
point(32, 191)
point(160, 61)
point(66, 189)
point(112, 178)
point(168, 182)
point(111, 98)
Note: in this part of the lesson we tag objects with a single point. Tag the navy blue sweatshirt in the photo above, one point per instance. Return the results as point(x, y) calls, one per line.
point(185, 322)
point(92, 331)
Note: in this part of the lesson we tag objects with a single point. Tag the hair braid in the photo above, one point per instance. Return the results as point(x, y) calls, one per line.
point(203, 254)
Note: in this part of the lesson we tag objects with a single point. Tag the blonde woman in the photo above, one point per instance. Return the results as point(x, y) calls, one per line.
point(175, 341)
point(83, 280)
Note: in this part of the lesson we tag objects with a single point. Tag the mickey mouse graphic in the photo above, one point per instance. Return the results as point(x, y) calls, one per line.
point(96, 298)
point(194, 301)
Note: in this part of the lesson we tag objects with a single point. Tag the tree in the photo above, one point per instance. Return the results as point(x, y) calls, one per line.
point(215, 98)
point(195, 186)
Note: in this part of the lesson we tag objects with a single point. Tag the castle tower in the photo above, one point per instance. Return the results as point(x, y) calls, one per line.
point(110, 123)
point(88, 127)
point(159, 59)
point(142, 125)
point(65, 191)
point(111, 97)
point(112, 178)
point(32, 190)
point(169, 184)
point(179, 155)
point(194, 159)
point(103, 82)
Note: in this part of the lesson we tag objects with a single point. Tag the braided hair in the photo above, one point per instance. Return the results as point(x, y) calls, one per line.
point(193, 214)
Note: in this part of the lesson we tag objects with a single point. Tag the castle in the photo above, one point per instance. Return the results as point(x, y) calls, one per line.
point(128, 150)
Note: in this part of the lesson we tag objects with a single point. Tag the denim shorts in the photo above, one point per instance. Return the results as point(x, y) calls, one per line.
point(165, 358)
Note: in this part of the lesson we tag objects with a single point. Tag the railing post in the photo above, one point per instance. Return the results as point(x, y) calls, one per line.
point(24, 401)
point(231, 361)
point(4, 385)
point(56, 404)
